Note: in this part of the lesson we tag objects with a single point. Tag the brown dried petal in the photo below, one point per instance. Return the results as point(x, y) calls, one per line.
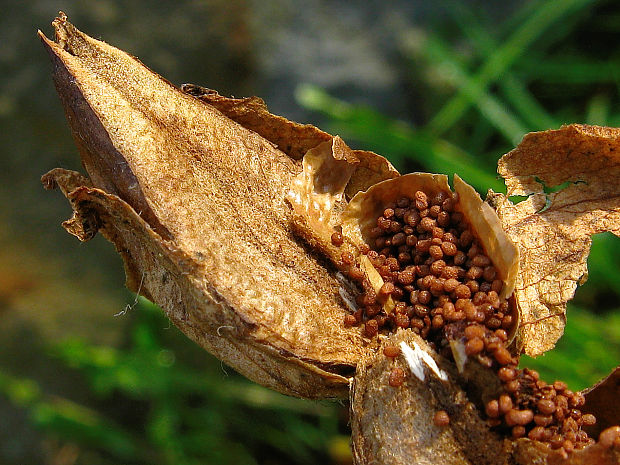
point(195, 203)
point(552, 231)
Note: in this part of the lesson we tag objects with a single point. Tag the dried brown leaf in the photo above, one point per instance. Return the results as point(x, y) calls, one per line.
point(552, 231)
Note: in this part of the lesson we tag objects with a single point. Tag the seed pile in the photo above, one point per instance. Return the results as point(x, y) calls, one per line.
point(444, 287)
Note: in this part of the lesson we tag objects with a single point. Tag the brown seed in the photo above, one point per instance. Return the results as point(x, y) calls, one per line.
point(441, 418)
point(337, 239)
point(518, 432)
point(391, 351)
point(481, 261)
point(560, 386)
point(473, 331)
point(347, 258)
point(474, 346)
point(492, 409)
point(543, 420)
point(386, 289)
point(371, 328)
point(427, 224)
point(403, 202)
point(506, 374)
point(502, 355)
point(513, 386)
point(537, 433)
point(443, 219)
point(402, 321)
point(424, 297)
point(459, 258)
point(350, 320)
point(421, 200)
point(437, 321)
point(462, 292)
point(546, 406)
point(489, 274)
point(450, 285)
point(397, 377)
point(505, 404)
point(519, 417)
point(568, 445)
point(588, 419)
point(475, 272)
point(399, 239)
point(466, 238)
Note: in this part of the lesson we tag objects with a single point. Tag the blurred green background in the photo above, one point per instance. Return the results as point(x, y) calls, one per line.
point(447, 87)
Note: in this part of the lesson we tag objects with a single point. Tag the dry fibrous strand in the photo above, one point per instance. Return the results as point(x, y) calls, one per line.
point(229, 217)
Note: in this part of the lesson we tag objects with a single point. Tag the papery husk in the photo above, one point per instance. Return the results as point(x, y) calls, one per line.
point(362, 211)
point(553, 231)
point(394, 425)
point(195, 204)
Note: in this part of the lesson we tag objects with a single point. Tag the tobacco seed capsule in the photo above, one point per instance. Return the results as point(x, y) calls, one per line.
point(474, 346)
point(397, 377)
point(518, 417)
point(546, 407)
point(441, 418)
point(505, 404)
point(391, 351)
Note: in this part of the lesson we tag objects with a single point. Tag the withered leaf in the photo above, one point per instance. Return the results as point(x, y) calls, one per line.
point(553, 230)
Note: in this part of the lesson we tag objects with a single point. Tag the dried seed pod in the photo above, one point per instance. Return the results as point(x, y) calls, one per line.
point(196, 204)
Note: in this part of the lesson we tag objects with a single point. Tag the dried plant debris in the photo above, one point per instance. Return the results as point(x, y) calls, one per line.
point(552, 230)
point(301, 262)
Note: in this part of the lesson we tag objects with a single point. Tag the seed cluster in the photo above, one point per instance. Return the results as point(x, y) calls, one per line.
point(444, 287)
